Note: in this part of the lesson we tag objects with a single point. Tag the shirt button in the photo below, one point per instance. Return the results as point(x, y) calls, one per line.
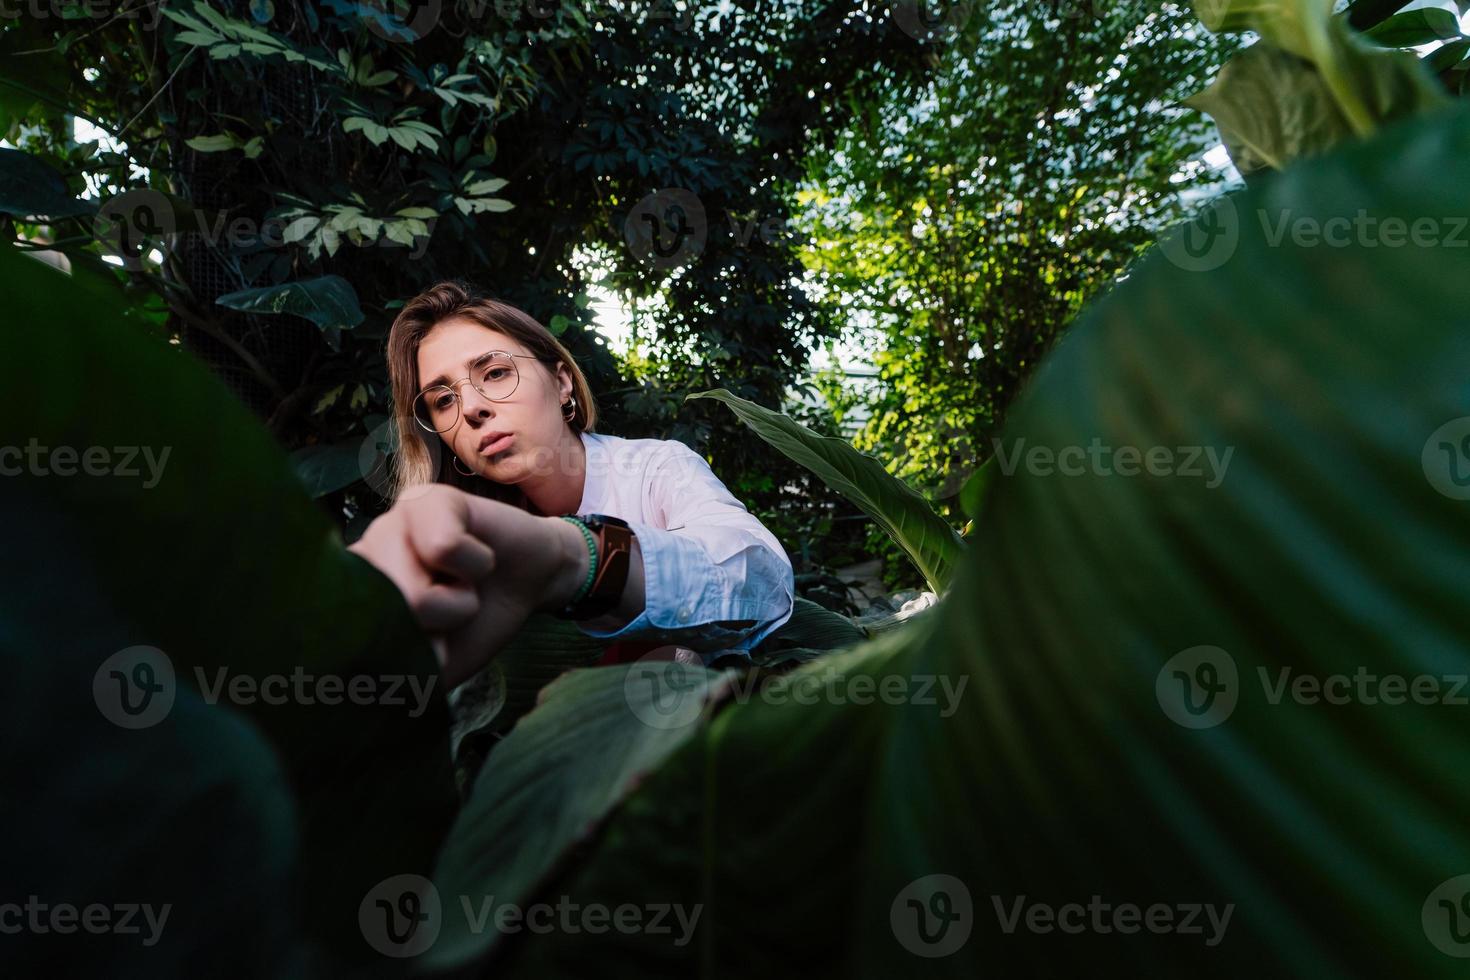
point(684, 613)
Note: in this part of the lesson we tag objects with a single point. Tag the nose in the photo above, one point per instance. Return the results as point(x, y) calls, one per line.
point(474, 404)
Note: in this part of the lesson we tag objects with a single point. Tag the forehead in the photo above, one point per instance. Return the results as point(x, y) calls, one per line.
point(450, 344)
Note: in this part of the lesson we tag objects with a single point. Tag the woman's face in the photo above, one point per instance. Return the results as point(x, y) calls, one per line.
point(531, 416)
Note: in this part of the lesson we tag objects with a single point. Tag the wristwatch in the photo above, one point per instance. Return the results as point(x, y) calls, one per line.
point(614, 539)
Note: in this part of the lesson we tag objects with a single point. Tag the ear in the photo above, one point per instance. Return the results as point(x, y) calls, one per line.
point(563, 383)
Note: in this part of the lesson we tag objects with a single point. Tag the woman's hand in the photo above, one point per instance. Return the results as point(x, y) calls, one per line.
point(540, 563)
point(473, 569)
point(425, 546)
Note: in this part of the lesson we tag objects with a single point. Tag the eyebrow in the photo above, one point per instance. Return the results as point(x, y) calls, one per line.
point(443, 379)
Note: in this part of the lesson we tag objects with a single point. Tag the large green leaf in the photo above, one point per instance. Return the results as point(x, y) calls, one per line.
point(28, 187)
point(1073, 770)
point(329, 301)
point(176, 522)
point(908, 518)
point(1271, 107)
point(1309, 83)
point(325, 469)
point(1411, 28)
point(551, 783)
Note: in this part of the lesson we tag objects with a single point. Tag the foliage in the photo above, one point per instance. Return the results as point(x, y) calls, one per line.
point(1061, 774)
point(213, 555)
point(964, 220)
point(1311, 81)
point(930, 543)
point(510, 144)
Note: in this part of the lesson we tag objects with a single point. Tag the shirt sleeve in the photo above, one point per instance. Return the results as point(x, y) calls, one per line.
point(714, 577)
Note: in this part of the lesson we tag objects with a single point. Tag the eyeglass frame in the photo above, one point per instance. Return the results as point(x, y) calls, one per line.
point(453, 386)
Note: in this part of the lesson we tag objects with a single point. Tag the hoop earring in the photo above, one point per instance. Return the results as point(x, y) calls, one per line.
point(461, 472)
point(566, 415)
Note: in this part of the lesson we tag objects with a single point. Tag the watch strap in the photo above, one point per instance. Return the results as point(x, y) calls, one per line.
point(614, 541)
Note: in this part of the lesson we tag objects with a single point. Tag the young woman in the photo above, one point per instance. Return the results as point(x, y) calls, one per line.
point(506, 502)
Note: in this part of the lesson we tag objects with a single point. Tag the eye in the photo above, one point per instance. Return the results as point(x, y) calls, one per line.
point(444, 401)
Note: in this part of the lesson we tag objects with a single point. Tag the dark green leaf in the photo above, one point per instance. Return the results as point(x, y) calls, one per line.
point(909, 520)
point(327, 469)
point(328, 301)
point(1415, 27)
point(190, 533)
point(28, 187)
point(1335, 546)
point(558, 774)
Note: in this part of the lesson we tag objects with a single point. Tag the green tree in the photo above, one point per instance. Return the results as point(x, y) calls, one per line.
point(510, 143)
point(965, 219)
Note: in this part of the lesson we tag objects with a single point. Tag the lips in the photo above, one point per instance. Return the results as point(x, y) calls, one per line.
point(496, 442)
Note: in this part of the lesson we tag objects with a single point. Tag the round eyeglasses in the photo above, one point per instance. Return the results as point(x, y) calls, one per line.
point(493, 374)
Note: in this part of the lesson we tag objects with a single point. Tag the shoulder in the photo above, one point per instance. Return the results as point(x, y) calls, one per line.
point(652, 453)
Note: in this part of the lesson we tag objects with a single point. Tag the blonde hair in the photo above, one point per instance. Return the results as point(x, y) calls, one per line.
point(415, 462)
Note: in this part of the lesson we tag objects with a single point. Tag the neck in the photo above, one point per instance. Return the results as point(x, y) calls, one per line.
point(559, 491)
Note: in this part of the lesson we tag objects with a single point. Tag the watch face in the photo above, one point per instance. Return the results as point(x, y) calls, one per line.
point(607, 519)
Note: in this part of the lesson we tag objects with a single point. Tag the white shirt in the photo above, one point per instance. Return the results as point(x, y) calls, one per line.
point(714, 577)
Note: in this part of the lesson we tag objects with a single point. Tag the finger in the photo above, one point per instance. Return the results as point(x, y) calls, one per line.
point(451, 551)
point(443, 606)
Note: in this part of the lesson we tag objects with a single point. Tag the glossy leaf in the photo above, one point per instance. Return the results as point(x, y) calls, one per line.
point(28, 187)
point(1411, 28)
point(329, 301)
point(184, 529)
point(908, 518)
point(1073, 768)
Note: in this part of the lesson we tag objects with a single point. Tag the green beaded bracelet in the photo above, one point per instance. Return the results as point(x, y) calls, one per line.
point(591, 565)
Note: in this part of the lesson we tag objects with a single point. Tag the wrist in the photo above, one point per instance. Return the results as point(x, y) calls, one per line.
point(572, 564)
